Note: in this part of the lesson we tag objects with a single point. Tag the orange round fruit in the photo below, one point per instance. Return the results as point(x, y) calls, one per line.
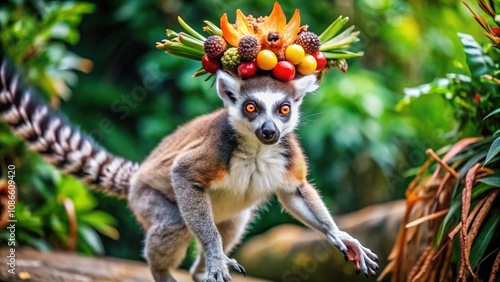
point(266, 60)
point(294, 54)
point(307, 66)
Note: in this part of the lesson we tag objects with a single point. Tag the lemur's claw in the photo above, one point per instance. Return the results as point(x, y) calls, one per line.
point(240, 269)
point(363, 258)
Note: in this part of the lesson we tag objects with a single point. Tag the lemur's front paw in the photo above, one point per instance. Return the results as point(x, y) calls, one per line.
point(364, 260)
point(218, 271)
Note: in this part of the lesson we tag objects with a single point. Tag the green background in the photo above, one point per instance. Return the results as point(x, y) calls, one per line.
point(361, 150)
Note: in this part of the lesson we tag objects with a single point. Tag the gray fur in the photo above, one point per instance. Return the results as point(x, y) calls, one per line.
point(167, 235)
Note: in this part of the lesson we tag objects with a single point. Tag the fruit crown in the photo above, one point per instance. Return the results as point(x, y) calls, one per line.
point(267, 45)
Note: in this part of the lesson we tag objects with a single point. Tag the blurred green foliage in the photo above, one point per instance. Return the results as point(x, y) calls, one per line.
point(36, 37)
point(359, 147)
point(48, 202)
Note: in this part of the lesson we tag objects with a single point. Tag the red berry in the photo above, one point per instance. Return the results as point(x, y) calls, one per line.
point(477, 98)
point(210, 65)
point(496, 30)
point(284, 71)
point(320, 60)
point(247, 69)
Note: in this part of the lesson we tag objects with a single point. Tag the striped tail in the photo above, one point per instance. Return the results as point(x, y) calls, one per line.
point(58, 142)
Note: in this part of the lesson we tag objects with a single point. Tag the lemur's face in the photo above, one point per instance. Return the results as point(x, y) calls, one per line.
point(263, 108)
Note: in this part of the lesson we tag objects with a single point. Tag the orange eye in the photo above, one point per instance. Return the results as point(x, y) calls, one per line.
point(285, 110)
point(250, 107)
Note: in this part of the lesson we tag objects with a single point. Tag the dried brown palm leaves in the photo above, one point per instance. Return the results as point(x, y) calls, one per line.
point(4, 200)
point(452, 200)
point(489, 9)
point(69, 207)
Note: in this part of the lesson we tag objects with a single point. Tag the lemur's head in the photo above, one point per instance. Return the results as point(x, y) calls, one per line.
point(263, 107)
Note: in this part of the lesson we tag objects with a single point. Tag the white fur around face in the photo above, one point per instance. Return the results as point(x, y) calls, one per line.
point(227, 83)
point(304, 85)
point(268, 96)
point(270, 99)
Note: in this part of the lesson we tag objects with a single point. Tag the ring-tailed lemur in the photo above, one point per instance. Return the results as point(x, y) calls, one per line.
point(207, 178)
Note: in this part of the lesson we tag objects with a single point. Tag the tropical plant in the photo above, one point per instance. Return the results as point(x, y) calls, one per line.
point(451, 227)
point(53, 211)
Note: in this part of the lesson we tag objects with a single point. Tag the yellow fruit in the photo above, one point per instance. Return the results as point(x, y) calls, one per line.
point(294, 54)
point(266, 60)
point(308, 65)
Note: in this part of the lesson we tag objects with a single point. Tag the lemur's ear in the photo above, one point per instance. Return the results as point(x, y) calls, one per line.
point(304, 85)
point(228, 86)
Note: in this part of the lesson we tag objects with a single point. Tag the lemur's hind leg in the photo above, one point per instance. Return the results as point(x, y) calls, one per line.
point(231, 231)
point(167, 236)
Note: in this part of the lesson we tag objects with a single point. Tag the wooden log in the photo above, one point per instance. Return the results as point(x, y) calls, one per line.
point(32, 265)
point(285, 253)
point(290, 253)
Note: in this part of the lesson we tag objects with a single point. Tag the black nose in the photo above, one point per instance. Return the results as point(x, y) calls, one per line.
point(268, 130)
point(268, 133)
